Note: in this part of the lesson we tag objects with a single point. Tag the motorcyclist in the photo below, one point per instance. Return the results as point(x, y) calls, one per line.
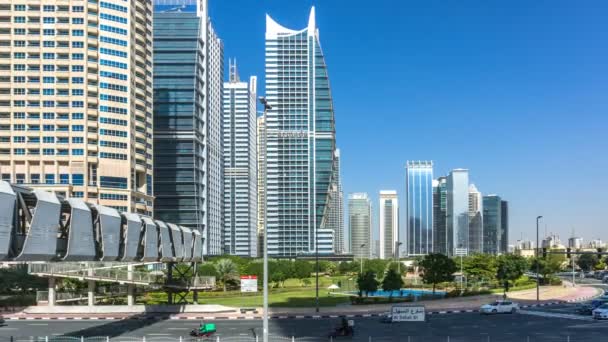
point(344, 327)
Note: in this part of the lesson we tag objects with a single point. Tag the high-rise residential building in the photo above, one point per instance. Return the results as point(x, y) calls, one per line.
point(504, 222)
point(475, 220)
point(239, 126)
point(301, 138)
point(360, 224)
point(492, 223)
point(188, 76)
point(389, 224)
point(76, 99)
point(335, 217)
point(419, 207)
point(261, 155)
point(457, 215)
point(440, 233)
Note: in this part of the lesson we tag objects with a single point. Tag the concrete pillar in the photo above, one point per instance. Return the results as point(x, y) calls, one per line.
point(91, 292)
point(52, 291)
point(130, 294)
point(195, 296)
point(130, 287)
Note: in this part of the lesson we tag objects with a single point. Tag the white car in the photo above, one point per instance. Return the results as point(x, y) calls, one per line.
point(499, 306)
point(601, 312)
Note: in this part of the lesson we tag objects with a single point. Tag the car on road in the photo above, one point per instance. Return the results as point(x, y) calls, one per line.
point(584, 309)
point(601, 312)
point(499, 306)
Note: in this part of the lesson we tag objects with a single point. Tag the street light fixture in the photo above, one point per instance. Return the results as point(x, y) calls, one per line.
point(360, 250)
point(267, 107)
point(537, 263)
point(398, 244)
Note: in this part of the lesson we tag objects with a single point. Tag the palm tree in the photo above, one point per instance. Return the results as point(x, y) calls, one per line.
point(226, 270)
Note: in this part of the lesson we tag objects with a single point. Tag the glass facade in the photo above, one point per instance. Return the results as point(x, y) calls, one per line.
point(239, 126)
point(504, 223)
point(301, 139)
point(389, 224)
point(360, 224)
point(457, 215)
point(440, 233)
point(419, 207)
point(492, 223)
point(475, 220)
point(183, 129)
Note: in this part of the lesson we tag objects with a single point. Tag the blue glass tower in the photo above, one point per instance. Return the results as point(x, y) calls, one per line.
point(419, 207)
point(300, 140)
point(188, 80)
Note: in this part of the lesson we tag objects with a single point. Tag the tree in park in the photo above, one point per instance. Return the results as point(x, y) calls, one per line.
point(226, 271)
point(367, 283)
point(509, 268)
point(437, 268)
point(547, 266)
point(480, 267)
point(587, 261)
point(302, 269)
point(392, 282)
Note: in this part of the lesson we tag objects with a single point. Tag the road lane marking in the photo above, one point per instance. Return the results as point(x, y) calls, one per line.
point(555, 315)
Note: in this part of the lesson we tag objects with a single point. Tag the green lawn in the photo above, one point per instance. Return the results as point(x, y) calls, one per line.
point(295, 297)
point(291, 294)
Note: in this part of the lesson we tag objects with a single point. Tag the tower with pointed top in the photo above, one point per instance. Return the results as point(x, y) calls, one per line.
point(239, 142)
point(301, 141)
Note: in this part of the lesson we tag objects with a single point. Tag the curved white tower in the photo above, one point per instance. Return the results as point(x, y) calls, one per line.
point(301, 141)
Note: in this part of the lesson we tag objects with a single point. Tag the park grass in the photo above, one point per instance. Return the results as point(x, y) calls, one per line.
point(294, 297)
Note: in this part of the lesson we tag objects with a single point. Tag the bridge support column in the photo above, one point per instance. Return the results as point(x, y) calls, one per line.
point(130, 287)
point(52, 291)
point(91, 292)
point(195, 296)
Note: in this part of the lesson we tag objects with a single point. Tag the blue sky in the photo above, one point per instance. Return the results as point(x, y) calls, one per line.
point(515, 91)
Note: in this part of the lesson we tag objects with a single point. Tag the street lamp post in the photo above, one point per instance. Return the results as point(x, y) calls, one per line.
point(537, 263)
point(360, 248)
point(267, 107)
point(398, 244)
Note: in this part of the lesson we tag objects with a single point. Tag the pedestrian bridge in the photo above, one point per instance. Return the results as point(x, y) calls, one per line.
point(37, 225)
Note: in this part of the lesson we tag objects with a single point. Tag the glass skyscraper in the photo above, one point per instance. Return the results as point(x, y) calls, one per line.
point(188, 80)
point(335, 216)
point(389, 224)
point(440, 236)
point(239, 128)
point(492, 223)
point(457, 214)
point(360, 225)
point(504, 222)
point(419, 207)
point(301, 139)
point(475, 220)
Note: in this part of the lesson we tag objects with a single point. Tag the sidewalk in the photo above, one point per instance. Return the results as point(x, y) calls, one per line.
point(548, 295)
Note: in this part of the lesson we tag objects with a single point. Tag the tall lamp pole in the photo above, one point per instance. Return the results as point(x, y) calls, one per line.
point(360, 250)
point(398, 244)
point(267, 107)
point(537, 263)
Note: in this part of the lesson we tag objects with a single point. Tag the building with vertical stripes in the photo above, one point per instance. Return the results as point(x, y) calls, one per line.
point(419, 207)
point(239, 128)
point(389, 224)
point(301, 140)
point(188, 82)
point(76, 99)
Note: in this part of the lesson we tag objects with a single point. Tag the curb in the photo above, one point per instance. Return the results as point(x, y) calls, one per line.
point(278, 317)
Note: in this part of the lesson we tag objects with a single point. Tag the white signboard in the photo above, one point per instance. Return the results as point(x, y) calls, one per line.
point(249, 283)
point(408, 313)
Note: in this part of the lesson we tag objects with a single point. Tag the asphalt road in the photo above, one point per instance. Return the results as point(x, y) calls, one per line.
point(459, 328)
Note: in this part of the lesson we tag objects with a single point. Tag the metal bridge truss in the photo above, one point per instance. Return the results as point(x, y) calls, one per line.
point(37, 225)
